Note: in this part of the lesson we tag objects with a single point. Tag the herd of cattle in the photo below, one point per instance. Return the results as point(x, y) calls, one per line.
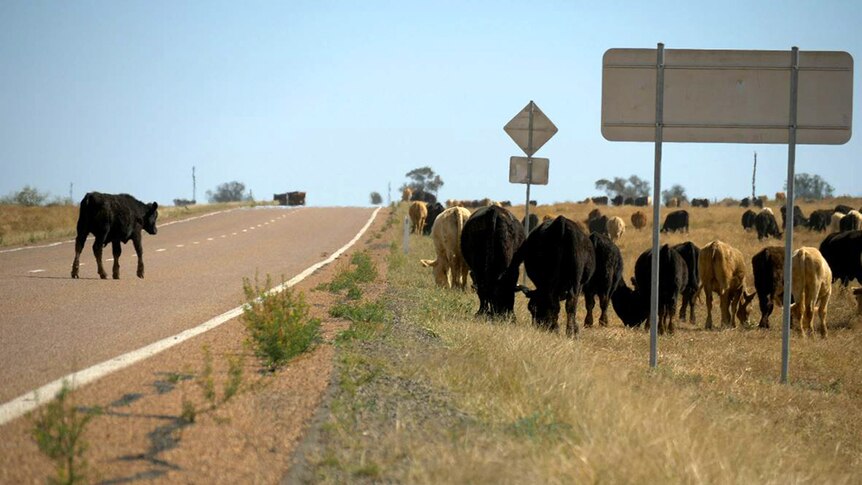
point(564, 259)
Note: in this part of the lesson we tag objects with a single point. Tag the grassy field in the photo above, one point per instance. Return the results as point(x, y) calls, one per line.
point(21, 225)
point(444, 398)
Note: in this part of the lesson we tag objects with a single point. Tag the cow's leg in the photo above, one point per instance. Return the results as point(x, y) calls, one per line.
point(98, 244)
point(117, 248)
point(682, 308)
point(571, 323)
point(708, 293)
point(461, 273)
point(590, 303)
point(821, 314)
point(139, 249)
point(724, 307)
point(603, 305)
point(79, 246)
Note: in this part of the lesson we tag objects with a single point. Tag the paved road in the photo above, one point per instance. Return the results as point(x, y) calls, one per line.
point(52, 325)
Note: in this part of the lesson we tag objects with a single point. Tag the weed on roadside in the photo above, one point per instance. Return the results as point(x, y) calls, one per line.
point(58, 430)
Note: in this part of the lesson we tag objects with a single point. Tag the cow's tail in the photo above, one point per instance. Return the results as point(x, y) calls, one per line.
point(489, 246)
point(83, 211)
point(459, 226)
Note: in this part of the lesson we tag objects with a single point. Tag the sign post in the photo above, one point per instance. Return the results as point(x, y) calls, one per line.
point(722, 96)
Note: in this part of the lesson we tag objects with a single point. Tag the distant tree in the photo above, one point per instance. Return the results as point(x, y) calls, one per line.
point(29, 197)
point(227, 192)
point(376, 198)
point(634, 186)
point(811, 187)
point(677, 191)
point(423, 179)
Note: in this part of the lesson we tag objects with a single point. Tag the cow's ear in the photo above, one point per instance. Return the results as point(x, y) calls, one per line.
point(526, 291)
point(154, 205)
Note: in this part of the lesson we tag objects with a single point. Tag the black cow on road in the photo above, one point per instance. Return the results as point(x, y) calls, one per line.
point(113, 219)
point(748, 219)
point(768, 267)
point(843, 252)
point(676, 221)
point(766, 225)
point(560, 260)
point(606, 277)
point(488, 242)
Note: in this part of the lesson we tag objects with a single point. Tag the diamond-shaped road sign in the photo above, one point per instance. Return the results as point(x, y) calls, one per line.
point(530, 129)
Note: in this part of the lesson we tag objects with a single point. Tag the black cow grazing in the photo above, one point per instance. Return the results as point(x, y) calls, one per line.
point(560, 260)
point(603, 200)
point(296, 198)
point(691, 254)
point(642, 201)
point(598, 225)
point(843, 252)
point(632, 306)
point(594, 214)
point(606, 277)
point(768, 267)
point(423, 196)
point(434, 210)
point(113, 219)
point(766, 225)
point(489, 240)
point(534, 221)
point(629, 201)
point(820, 220)
point(618, 200)
point(676, 221)
point(700, 203)
point(748, 219)
point(758, 202)
point(844, 209)
point(745, 202)
point(798, 218)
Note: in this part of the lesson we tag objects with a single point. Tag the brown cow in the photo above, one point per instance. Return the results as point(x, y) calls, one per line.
point(639, 220)
point(418, 212)
point(812, 286)
point(780, 197)
point(446, 233)
point(722, 270)
point(406, 194)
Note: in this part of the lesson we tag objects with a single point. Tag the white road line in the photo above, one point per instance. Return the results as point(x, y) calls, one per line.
point(196, 242)
point(36, 271)
point(161, 250)
point(109, 259)
point(180, 245)
point(30, 400)
point(210, 239)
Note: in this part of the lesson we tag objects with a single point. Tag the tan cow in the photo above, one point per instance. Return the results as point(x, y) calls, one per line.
point(616, 228)
point(812, 286)
point(639, 220)
point(835, 222)
point(722, 271)
point(406, 194)
point(450, 269)
point(418, 212)
point(780, 197)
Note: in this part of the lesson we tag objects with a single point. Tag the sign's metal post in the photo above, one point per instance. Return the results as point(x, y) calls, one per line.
point(659, 115)
point(529, 169)
point(406, 242)
point(788, 214)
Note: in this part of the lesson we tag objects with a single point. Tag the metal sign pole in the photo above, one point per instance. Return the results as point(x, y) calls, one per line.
point(529, 181)
point(788, 214)
point(659, 114)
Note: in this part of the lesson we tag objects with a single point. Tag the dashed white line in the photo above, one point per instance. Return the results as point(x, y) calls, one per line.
point(196, 242)
point(161, 250)
point(30, 400)
point(36, 271)
point(210, 239)
point(180, 245)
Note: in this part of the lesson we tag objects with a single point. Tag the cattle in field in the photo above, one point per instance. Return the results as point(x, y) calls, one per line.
point(642, 201)
point(748, 218)
point(406, 194)
point(606, 277)
point(418, 212)
point(780, 197)
point(745, 202)
point(280, 198)
point(598, 225)
point(844, 209)
point(618, 200)
point(560, 260)
point(811, 286)
point(676, 221)
point(603, 200)
point(632, 305)
point(296, 198)
point(423, 196)
point(768, 268)
point(758, 201)
point(851, 222)
point(700, 203)
point(113, 219)
point(798, 218)
point(534, 222)
point(722, 271)
point(843, 252)
point(594, 214)
point(672, 202)
point(691, 255)
point(434, 210)
point(615, 228)
point(639, 220)
point(629, 201)
point(835, 222)
point(488, 242)
point(450, 270)
point(819, 220)
point(766, 225)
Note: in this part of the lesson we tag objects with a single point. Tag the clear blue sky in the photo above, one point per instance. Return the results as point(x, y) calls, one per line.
point(341, 98)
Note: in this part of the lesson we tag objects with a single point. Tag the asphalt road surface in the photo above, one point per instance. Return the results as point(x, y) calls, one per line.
point(52, 325)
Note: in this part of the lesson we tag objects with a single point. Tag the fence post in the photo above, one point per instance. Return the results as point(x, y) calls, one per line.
point(406, 243)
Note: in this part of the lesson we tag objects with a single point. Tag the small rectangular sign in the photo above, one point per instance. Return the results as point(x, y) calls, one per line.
point(727, 96)
point(518, 171)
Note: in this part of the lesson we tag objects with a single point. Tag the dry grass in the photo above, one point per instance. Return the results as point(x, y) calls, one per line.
point(21, 225)
point(545, 409)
